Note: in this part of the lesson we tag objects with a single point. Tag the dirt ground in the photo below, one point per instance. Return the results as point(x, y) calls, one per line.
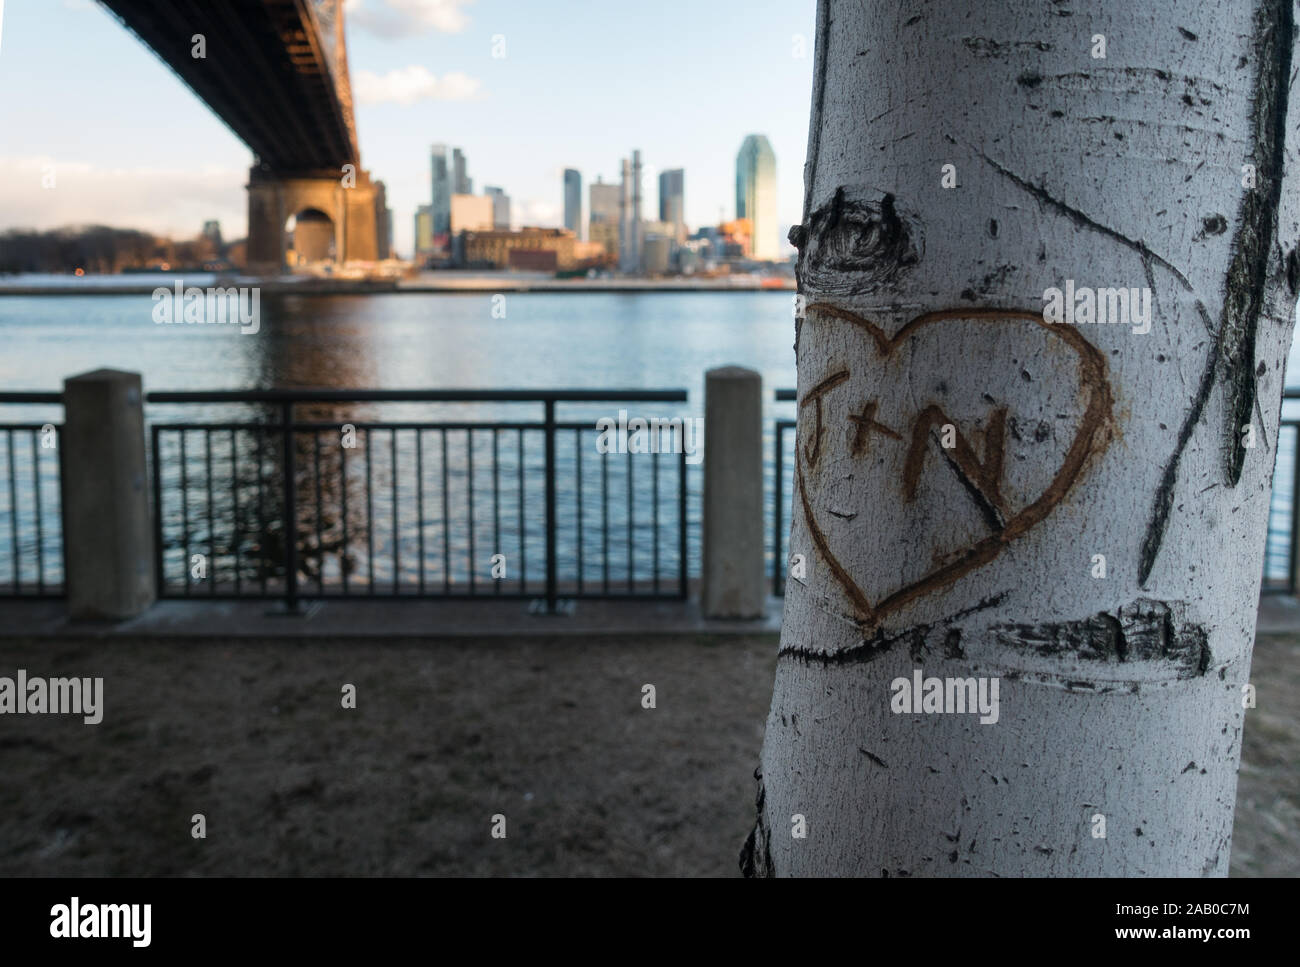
point(1266, 830)
point(550, 734)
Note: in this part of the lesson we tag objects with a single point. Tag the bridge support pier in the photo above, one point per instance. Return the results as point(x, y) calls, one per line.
point(338, 218)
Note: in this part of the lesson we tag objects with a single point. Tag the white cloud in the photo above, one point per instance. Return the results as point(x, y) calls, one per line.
point(532, 213)
point(406, 85)
point(397, 18)
point(164, 201)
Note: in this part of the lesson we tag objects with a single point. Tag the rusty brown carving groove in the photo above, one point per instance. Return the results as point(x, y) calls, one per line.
point(1091, 438)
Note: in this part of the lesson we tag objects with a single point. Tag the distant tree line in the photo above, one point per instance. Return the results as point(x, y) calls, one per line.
point(98, 249)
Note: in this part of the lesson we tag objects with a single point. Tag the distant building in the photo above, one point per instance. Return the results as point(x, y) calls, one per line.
point(573, 202)
point(707, 242)
point(471, 213)
point(605, 234)
point(672, 201)
point(464, 184)
point(212, 232)
point(449, 177)
point(736, 239)
point(667, 229)
point(658, 253)
point(423, 230)
point(530, 249)
point(604, 210)
point(383, 223)
point(589, 254)
point(604, 204)
point(500, 207)
point(629, 242)
point(756, 194)
point(386, 235)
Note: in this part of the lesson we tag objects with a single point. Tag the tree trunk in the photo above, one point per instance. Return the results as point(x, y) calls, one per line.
point(1060, 519)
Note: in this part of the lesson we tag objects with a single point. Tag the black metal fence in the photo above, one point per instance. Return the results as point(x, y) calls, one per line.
point(30, 505)
point(454, 509)
point(518, 508)
point(1280, 575)
point(1283, 521)
point(783, 470)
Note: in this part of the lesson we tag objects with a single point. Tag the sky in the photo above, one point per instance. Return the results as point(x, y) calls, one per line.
point(120, 140)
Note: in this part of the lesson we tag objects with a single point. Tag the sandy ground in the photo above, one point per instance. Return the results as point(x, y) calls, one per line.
point(1266, 831)
point(551, 734)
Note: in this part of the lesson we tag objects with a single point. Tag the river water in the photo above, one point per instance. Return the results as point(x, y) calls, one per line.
point(436, 341)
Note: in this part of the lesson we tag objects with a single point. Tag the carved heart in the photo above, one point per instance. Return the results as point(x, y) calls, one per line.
point(981, 479)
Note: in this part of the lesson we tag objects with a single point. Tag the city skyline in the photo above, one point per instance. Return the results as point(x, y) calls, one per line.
point(137, 149)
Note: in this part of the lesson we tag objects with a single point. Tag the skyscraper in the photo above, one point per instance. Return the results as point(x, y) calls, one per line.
point(464, 183)
point(573, 203)
point(500, 207)
point(383, 222)
point(672, 201)
point(629, 242)
point(756, 193)
point(636, 210)
point(424, 229)
point(212, 232)
point(604, 205)
point(450, 177)
point(605, 216)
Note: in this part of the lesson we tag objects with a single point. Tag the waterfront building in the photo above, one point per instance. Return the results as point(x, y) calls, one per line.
point(212, 232)
point(500, 207)
point(605, 217)
point(529, 249)
point(657, 253)
point(472, 213)
point(383, 223)
point(573, 202)
point(629, 242)
point(672, 201)
point(423, 230)
point(449, 177)
point(756, 195)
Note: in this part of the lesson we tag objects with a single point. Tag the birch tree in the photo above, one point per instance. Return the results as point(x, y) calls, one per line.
point(1048, 276)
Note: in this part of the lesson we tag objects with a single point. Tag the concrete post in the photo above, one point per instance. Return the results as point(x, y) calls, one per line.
point(107, 534)
point(732, 584)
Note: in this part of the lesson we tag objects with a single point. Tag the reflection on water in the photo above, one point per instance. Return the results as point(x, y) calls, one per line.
point(411, 341)
point(416, 341)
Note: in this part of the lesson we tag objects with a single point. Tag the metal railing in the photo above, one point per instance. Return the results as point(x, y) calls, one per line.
point(508, 511)
point(780, 503)
point(556, 516)
point(1283, 538)
point(30, 508)
point(1281, 544)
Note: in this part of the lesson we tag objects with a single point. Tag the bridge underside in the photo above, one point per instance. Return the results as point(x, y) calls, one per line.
point(266, 72)
point(275, 71)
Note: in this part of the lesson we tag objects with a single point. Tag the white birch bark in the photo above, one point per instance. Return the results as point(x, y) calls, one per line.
point(1120, 696)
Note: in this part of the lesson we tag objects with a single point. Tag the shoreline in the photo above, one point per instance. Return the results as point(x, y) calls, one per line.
point(476, 285)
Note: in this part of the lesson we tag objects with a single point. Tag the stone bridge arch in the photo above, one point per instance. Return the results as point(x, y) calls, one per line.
point(350, 208)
